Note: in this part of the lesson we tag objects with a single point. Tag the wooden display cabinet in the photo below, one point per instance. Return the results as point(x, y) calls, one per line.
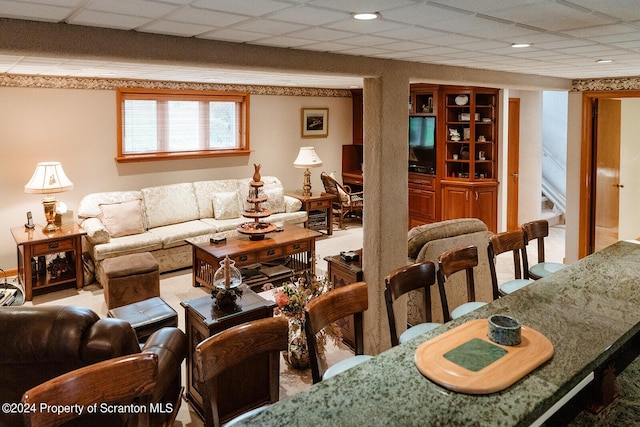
point(469, 164)
point(476, 200)
point(423, 200)
point(472, 113)
point(352, 159)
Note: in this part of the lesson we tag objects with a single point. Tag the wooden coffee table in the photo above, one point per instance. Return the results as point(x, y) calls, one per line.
point(295, 246)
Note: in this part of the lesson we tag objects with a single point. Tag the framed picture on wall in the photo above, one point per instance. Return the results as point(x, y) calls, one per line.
point(315, 122)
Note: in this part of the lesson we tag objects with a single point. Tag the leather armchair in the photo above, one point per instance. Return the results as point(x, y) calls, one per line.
point(40, 343)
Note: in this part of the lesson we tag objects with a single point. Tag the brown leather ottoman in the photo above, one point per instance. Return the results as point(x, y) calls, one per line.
point(146, 316)
point(130, 278)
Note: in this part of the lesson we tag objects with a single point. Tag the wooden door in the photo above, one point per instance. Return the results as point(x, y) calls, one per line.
point(513, 164)
point(607, 173)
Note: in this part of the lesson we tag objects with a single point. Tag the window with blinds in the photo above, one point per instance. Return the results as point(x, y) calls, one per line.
point(161, 124)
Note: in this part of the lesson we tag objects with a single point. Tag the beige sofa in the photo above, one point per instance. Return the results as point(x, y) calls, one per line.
point(159, 219)
point(427, 242)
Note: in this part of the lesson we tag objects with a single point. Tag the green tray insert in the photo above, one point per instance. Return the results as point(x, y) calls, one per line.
point(475, 354)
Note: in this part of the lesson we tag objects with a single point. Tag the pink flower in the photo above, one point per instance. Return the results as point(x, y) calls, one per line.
point(281, 298)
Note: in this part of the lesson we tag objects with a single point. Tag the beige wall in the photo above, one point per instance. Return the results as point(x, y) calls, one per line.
point(78, 128)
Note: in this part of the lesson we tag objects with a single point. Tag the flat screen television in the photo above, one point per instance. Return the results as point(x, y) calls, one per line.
point(422, 144)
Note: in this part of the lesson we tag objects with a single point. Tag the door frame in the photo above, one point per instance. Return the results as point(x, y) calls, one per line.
point(513, 163)
point(586, 163)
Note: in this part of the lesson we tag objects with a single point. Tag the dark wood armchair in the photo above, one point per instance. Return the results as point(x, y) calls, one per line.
point(345, 202)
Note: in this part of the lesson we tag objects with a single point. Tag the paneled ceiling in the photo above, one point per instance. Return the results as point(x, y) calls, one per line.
point(567, 37)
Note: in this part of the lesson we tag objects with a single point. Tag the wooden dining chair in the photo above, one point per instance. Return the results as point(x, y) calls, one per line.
point(538, 230)
point(401, 281)
point(508, 241)
point(349, 300)
point(453, 261)
point(233, 346)
point(122, 380)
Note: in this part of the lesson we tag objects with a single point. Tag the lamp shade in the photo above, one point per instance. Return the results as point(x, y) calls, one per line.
point(49, 177)
point(307, 158)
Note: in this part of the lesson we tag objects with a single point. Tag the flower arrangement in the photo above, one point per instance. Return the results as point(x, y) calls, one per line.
point(291, 299)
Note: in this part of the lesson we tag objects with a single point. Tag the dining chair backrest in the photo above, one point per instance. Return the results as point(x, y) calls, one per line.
point(536, 230)
point(420, 276)
point(113, 381)
point(453, 261)
point(236, 345)
point(349, 300)
point(508, 241)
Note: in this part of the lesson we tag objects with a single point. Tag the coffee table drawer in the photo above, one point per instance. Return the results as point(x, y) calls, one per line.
point(271, 253)
point(249, 258)
point(298, 247)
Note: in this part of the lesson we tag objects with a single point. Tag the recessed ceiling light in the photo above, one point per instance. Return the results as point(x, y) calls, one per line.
point(520, 44)
point(366, 16)
point(604, 61)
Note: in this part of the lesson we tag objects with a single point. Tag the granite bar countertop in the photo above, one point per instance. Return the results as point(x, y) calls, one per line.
point(587, 310)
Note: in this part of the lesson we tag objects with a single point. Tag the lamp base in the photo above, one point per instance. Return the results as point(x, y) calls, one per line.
point(306, 185)
point(49, 204)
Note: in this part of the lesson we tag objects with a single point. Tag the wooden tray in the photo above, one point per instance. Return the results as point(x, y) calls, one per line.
point(533, 351)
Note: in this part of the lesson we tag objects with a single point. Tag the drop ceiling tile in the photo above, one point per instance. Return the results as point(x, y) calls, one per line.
point(282, 41)
point(232, 35)
point(367, 40)
point(242, 7)
point(364, 27)
point(423, 14)
point(107, 20)
point(320, 34)
point(410, 33)
point(328, 47)
point(40, 12)
point(268, 26)
point(360, 5)
point(403, 45)
point(621, 9)
point(144, 8)
point(308, 15)
point(175, 28)
point(204, 17)
point(364, 51)
point(603, 30)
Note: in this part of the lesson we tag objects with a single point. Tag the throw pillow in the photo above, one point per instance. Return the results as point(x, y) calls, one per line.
point(225, 205)
point(122, 219)
point(275, 200)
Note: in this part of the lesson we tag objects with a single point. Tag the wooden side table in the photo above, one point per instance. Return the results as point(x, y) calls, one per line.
point(36, 269)
point(245, 386)
point(319, 211)
point(341, 273)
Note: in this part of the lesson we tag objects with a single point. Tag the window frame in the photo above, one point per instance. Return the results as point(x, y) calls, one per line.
point(242, 117)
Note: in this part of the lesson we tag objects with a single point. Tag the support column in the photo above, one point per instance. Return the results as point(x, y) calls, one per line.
point(385, 208)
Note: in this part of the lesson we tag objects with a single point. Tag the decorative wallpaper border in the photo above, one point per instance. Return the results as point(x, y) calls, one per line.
point(53, 82)
point(617, 83)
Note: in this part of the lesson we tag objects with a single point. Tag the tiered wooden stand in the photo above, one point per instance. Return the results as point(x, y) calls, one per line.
point(256, 230)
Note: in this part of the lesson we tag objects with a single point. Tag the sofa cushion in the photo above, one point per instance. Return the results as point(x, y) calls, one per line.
point(174, 235)
point(275, 201)
point(226, 205)
point(122, 219)
point(225, 224)
point(170, 204)
point(90, 204)
point(419, 236)
point(204, 191)
point(143, 242)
